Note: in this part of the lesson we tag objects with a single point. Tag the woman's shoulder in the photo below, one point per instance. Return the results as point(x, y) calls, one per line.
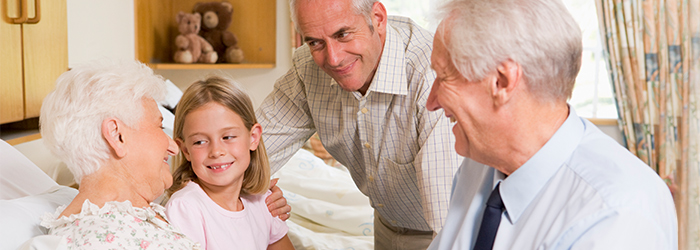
point(115, 223)
point(91, 212)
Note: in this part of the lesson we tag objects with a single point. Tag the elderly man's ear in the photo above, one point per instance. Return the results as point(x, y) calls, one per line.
point(380, 17)
point(507, 81)
point(112, 131)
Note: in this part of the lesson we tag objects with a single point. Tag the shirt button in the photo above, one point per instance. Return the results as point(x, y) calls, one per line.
point(367, 145)
point(371, 178)
point(364, 110)
point(380, 205)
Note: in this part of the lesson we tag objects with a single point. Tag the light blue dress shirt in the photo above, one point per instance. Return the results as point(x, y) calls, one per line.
point(581, 190)
point(398, 153)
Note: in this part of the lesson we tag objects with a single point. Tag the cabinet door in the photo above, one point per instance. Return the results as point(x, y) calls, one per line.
point(11, 93)
point(45, 53)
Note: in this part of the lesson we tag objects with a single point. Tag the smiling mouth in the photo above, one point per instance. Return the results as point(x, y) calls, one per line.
point(220, 167)
point(344, 70)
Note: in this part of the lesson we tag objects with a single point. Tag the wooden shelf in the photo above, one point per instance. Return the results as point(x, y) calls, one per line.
point(603, 121)
point(212, 66)
point(24, 139)
point(253, 22)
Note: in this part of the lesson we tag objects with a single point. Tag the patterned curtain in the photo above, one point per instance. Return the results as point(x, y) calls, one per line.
point(653, 47)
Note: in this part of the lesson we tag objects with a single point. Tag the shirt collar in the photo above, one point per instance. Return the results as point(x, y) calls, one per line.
point(520, 188)
point(390, 77)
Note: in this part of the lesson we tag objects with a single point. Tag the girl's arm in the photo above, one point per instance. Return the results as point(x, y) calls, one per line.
point(282, 244)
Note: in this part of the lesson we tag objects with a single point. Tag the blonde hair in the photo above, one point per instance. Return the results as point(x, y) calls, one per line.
point(256, 179)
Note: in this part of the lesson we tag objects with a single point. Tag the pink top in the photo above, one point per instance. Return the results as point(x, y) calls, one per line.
point(201, 219)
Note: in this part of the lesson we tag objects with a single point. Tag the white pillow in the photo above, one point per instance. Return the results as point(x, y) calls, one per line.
point(45, 242)
point(172, 96)
point(168, 120)
point(19, 177)
point(42, 157)
point(325, 195)
point(21, 217)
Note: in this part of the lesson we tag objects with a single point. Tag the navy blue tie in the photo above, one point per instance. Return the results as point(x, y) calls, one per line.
point(490, 222)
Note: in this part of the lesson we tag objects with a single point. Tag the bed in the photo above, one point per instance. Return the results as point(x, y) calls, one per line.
point(328, 211)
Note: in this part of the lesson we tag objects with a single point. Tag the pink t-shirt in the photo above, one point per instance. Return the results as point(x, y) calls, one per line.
point(196, 215)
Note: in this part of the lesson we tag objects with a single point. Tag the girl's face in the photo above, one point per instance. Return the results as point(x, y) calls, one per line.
point(218, 145)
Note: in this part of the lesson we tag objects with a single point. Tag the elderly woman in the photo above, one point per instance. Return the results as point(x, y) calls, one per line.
point(103, 121)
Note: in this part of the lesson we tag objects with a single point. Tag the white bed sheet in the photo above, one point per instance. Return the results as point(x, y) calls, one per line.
point(328, 211)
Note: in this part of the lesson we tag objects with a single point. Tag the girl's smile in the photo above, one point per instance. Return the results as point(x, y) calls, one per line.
point(217, 168)
point(218, 145)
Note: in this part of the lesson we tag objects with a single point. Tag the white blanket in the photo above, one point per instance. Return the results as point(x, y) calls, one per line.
point(328, 211)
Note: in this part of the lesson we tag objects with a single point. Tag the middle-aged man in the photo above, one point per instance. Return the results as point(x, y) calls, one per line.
point(361, 81)
point(505, 69)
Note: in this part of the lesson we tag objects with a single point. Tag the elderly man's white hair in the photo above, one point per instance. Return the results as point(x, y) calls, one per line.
point(540, 35)
point(72, 115)
point(360, 7)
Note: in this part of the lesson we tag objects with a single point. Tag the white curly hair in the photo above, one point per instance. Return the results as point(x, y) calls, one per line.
point(72, 114)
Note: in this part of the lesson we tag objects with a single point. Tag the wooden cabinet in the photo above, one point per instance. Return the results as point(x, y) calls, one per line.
point(34, 53)
point(253, 22)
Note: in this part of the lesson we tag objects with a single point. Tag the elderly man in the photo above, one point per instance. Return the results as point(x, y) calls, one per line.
point(505, 69)
point(361, 81)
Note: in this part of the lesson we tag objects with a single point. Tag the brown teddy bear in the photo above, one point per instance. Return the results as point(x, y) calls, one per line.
point(192, 48)
point(216, 18)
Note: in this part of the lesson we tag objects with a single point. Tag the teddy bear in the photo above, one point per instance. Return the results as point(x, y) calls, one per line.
point(216, 18)
point(192, 48)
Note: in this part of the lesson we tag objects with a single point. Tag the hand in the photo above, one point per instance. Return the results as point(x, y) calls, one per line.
point(277, 203)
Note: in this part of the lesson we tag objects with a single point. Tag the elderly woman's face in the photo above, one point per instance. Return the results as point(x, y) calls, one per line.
point(152, 148)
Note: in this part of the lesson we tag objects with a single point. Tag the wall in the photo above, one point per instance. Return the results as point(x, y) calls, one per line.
point(100, 29)
point(105, 29)
point(612, 131)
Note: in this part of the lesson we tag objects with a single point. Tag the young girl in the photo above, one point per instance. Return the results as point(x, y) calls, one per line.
point(221, 182)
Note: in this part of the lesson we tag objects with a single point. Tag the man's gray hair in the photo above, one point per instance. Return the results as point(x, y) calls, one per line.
point(540, 35)
point(360, 7)
point(72, 114)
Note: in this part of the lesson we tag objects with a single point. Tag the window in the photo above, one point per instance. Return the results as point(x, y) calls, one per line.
point(593, 96)
point(418, 10)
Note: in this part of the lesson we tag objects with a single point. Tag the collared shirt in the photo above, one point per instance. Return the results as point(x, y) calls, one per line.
point(399, 154)
point(581, 190)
